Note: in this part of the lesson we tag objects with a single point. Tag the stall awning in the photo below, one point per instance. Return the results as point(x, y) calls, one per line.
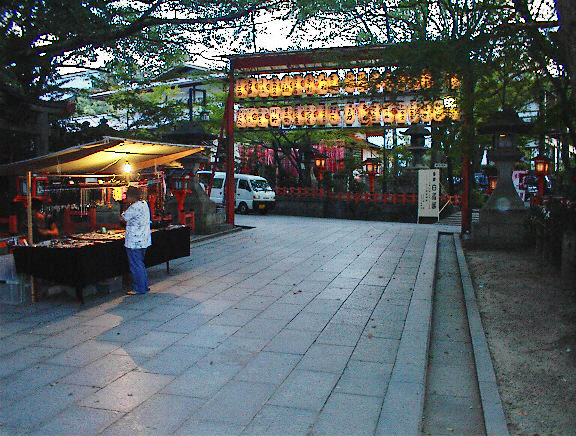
point(105, 157)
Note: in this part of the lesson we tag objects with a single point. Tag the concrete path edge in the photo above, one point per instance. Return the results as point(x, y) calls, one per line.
point(403, 406)
point(493, 411)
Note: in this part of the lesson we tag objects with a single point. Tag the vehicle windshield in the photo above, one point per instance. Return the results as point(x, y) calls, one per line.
point(260, 185)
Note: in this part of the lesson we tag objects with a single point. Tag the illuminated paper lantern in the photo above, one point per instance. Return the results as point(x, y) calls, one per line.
point(388, 82)
point(426, 80)
point(454, 81)
point(287, 85)
point(240, 90)
point(320, 114)
point(401, 113)
point(402, 83)
point(299, 88)
point(414, 111)
point(287, 116)
point(334, 84)
point(310, 84)
point(334, 117)
point(350, 82)
point(375, 83)
point(387, 113)
point(275, 89)
point(275, 117)
point(252, 87)
point(364, 113)
point(375, 113)
point(454, 113)
point(414, 83)
point(439, 114)
point(310, 115)
point(322, 84)
point(362, 82)
point(426, 112)
point(263, 117)
point(300, 115)
point(263, 87)
point(252, 117)
point(241, 122)
point(349, 114)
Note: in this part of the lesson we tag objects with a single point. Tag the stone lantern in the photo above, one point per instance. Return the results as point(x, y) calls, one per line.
point(417, 133)
point(502, 217)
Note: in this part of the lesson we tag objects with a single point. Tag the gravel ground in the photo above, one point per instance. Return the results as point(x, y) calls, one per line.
point(529, 315)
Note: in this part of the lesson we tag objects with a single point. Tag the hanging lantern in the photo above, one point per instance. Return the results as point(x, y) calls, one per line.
point(426, 112)
point(299, 88)
point(402, 83)
point(388, 83)
point(320, 115)
point(263, 87)
point(454, 81)
point(375, 83)
point(287, 116)
point(350, 82)
point(251, 85)
point(322, 84)
point(401, 113)
point(414, 112)
point(375, 113)
point(364, 113)
point(334, 117)
point(310, 115)
point(414, 83)
point(349, 114)
point(309, 84)
point(275, 117)
point(439, 114)
point(362, 82)
point(252, 117)
point(425, 80)
point(300, 115)
point(454, 113)
point(334, 84)
point(275, 89)
point(287, 85)
point(263, 117)
point(387, 113)
point(240, 89)
point(241, 119)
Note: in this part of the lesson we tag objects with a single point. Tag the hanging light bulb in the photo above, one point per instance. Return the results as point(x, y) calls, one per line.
point(275, 117)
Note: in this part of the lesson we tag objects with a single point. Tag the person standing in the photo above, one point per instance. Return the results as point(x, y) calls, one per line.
point(138, 238)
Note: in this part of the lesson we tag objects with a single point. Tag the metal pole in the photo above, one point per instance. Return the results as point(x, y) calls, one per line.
point(230, 202)
point(466, 212)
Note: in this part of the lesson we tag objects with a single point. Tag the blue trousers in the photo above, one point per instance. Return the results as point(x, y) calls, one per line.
point(138, 269)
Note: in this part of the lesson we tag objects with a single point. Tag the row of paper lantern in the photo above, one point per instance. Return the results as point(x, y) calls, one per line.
point(349, 114)
point(331, 84)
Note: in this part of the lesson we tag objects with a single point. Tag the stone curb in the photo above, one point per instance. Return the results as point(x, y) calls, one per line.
point(403, 406)
point(494, 418)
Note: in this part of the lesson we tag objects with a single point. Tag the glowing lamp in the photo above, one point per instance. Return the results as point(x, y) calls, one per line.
point(320, 162)
point(362, 81)
point(252, 117)
point(541, 165)
point(320, 114)
point(402, 83)
point(300, 115)
point(275, 117)
point(414, 111)
point(287, 113)
point(334, 84)
point(310, 115)
point(371, 165)
point(364, 113)
point(426, 112)
point(439, 112)
point(349, 114)
point(241, 122)
point(401, 113)
point(387, 114)
point(263, 87)
point(375, 82)
point(287, 85)
point(350, 82)
point(454, 81)
point(240, 90)
point(263, 117)
point(126, 168)
point(388, 82)
point(299, 88)
point(426, 80)
point(375, 113)
point(334, 117)
point(309, 83)
point(251, 85)
point(275, 88)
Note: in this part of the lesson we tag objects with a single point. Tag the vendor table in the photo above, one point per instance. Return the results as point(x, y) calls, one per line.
point(84, 260)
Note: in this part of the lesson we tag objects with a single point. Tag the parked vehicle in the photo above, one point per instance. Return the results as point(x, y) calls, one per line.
point(253, 193)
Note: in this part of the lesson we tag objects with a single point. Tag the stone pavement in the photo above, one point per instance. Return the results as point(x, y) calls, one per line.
point(298, 326)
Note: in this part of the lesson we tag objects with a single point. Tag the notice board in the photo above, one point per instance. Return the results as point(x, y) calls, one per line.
point(429, 194)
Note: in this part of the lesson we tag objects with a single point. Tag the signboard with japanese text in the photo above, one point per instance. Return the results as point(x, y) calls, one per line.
point(428, 194)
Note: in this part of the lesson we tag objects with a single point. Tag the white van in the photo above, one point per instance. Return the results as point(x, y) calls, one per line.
point(252, 192)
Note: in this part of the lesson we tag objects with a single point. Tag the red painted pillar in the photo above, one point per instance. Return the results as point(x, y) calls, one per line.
point(230, 185)
point(541, 179)
point(371, 178)
point(466, 211)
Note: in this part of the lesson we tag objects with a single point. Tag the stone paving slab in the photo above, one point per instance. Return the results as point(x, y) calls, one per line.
point(298, 326)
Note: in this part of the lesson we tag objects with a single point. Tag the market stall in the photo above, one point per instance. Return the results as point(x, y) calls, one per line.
point(110, 164)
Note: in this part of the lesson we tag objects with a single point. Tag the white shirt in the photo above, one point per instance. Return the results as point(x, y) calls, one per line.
point(137, 218)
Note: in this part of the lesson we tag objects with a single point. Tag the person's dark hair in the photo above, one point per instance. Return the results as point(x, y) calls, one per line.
point(133, 192)
point(36, 205)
